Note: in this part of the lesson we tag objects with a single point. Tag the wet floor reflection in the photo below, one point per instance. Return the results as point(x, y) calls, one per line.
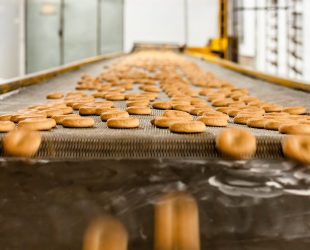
point(240, 205)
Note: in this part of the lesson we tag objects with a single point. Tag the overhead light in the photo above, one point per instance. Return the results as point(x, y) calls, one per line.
point(48, 9)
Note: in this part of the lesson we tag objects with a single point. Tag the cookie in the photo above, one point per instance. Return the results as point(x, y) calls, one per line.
point(188, 127)
point(256, 122)
point(113, 114)
point(59, 118)
point(165, 122)
point(213, 121)
point(21, 143)
point(40, 124)
point(297, 110)
point(295, 129)
point(162, 105)
point(139, 110)
point(55, 95)
point(236, 143)
point(137, 103)
point(297, 148)
point(6, 126)
point(177, 113)
point(115, 97)
point(123, 122)
point(78, 122)
point(5, 117)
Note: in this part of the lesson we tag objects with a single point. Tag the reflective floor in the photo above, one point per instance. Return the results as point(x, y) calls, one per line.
point(242, 205)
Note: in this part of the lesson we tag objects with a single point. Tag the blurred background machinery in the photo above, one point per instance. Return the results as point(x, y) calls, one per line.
point(268, 35)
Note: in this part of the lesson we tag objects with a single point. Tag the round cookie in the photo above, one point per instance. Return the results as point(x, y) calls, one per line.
point(184, 108)
point(236, 143)
point(165, 122)
point(137, 103)
point(115, 97)
point(5, 117)
point(188, 127)
point(113, 114)
point(233, 112)
point(297, 148)
point(40, 124)
point(295, 129)
point(297, 110)
point(213, 121)
point(196, 111)
point(272, 108)
point(273, 124)
point(177, 113)
point(162, 105)
point(56, 95)
point(123, 122)
point(30, 116)
point(101, 110)
point(87, 110)
point(21, 143)
point(59, 118)
point(52, 112)
point(256, 122)
point(243, 118)
point(6, 126)
point(139, 110)
point(78, 122)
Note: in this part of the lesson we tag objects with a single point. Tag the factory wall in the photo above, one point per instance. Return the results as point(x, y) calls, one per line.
point(12, 39)
point(149, 21)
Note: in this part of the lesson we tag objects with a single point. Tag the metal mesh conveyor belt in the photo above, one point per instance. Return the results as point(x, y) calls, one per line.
point(146, 141)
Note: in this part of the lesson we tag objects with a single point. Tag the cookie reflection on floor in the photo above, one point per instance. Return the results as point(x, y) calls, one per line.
point(105, 233)
point(176, 222)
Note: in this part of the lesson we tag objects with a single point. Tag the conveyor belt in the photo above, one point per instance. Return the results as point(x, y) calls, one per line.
point(147, 141)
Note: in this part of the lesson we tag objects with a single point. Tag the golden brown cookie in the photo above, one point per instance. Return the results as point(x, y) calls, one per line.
point(88, 110)
point(6, 126)
point(40, 124)
point(5, 117)
point(272, 108)
point(123, 122)
point(139, 110)
point(188, 127)
point(113, 114)
point(196, 111)
point(55, 95)
point(162, 105)
point(177, 113)
point(21, 143)
point(115, 97)
point(273, 124)
point(295, 129)
point(256, 122)
point(297, 110)
point(213, 121)
point(103, 109)
point(137, 103)
point(59, 118)
point(184, 108)
point(165, 122)
point(78, 122)
point(297, 148)
point(236, 143)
